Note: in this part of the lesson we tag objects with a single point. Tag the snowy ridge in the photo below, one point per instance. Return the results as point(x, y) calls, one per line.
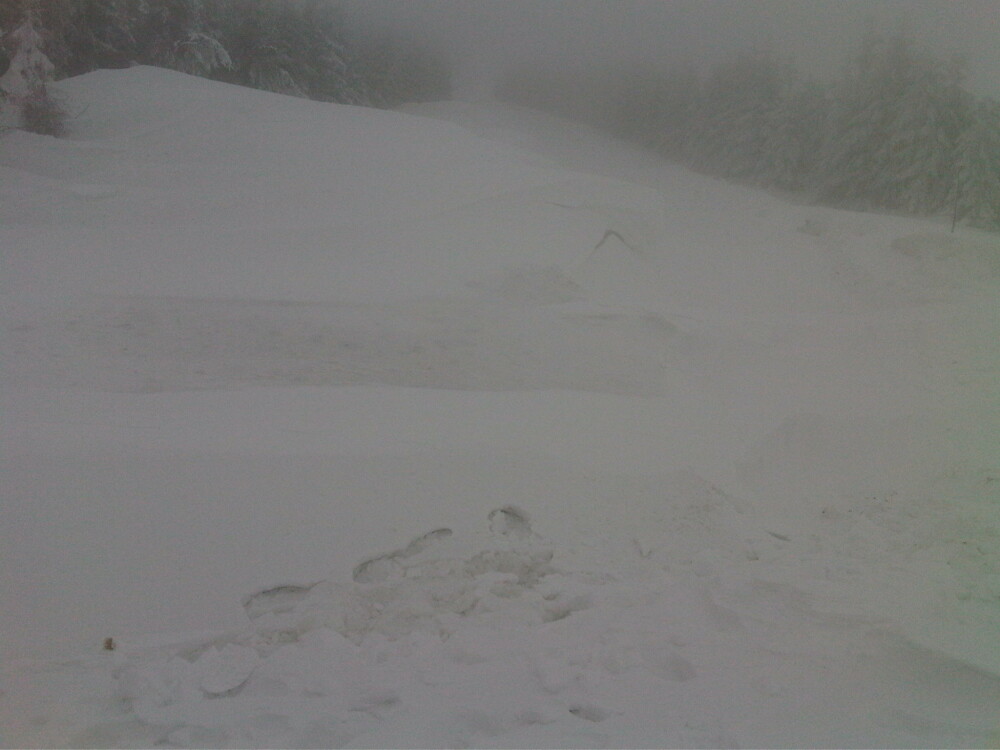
point(466, 426)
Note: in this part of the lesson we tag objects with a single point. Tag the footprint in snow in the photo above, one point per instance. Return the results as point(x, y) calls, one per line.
point(510, 521)
point(589, 711)
point(275, 600)
point(382, 567)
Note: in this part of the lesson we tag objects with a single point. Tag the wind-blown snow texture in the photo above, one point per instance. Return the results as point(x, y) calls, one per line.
point(469, 427)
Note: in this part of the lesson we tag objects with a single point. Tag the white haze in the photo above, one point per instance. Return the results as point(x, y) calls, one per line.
point(817, 35)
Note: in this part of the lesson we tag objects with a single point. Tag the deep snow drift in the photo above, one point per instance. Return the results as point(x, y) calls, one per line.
point(464, 426)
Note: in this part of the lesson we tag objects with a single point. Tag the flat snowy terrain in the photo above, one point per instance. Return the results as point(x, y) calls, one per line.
point(467, 427)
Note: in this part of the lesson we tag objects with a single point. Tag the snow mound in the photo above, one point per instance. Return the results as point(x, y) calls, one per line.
point(305, 200)
point(505, 641)
point(318, 661)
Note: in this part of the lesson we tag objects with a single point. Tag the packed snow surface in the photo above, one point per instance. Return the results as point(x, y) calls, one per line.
point(462, 426)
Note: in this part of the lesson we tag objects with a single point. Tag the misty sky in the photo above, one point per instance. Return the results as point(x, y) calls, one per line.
point(483, 35)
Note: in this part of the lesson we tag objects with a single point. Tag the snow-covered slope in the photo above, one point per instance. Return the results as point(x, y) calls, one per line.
point(465, 426)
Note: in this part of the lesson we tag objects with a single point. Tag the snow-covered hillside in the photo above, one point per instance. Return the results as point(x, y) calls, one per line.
point(466, 427)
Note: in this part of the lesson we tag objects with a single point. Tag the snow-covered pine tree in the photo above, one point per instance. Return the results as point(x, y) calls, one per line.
point(856, 156)
point(28, 69)
point(327, 71)
point(794, 138)
point(893, 141)
point(734, 115)
point(26, 100)
point(175, 34)
point(291, 47)
point(197, 53)
point(88, 34)
point(924, 136)
point(261, 41)
point(977, 198)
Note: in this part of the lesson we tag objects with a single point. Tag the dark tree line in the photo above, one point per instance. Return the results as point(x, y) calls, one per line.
point(297, 47)
point(896, 132)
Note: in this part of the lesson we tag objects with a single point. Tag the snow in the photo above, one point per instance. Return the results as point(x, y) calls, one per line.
point(29, 68)
point(466, 426)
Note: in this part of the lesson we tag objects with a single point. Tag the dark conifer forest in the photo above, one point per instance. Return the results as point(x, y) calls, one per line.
point(296, 47)
point(895, 131)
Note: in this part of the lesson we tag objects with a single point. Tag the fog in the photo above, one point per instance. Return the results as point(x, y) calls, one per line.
point(483, 37)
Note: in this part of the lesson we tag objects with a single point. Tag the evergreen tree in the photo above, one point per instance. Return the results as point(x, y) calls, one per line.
point(977, 197)
point(24, 97)
point(328, 72)
point(925, 134)
point(289, 46)
point(12, 14)
point(796, 132)
point(735, 115)
point(28, 68)
point(263, 48)
point(894, 138)
point(174, 34)
point(87, 34)
point(857, 152)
